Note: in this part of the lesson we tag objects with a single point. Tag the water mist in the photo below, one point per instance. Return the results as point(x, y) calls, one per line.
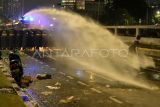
point(91, 45)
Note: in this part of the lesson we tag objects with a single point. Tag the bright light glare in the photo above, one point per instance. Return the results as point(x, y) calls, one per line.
point(51, 25)
point(27, 18)
point(31, 19)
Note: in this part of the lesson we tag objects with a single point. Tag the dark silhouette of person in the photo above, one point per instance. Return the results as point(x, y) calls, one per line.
point(16, 67)
point(133, 47)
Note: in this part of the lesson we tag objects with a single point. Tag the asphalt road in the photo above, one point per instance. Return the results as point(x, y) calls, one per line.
point(74, 87)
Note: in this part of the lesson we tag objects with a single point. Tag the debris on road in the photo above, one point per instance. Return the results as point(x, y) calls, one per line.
point(51, 87)
point(46, 93)
point(29, 78)
point(26, 80)
point(67, 100)
point(45, 101)
point(57, 84)
point(113, 98)
point(55, 87)
point(43, 76)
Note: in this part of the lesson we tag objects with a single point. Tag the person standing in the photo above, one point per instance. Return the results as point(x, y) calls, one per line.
point(136, 43)
point(16, 67)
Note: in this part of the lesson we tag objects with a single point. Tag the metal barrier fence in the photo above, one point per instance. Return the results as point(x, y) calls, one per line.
point(150, 31)
point(11, 39)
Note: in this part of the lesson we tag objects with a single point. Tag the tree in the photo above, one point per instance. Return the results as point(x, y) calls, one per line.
point(117, 17)
point(119, 10)
point(136, 8)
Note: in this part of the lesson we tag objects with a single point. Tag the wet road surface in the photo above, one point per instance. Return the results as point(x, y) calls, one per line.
point(72, 87)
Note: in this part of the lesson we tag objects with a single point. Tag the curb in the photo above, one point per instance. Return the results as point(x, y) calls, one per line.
point(26, 98)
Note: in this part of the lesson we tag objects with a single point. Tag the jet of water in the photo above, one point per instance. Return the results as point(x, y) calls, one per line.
point(91, 45)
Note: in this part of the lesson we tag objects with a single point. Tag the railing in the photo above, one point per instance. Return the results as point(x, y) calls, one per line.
point(10, 39)
point(143, 30)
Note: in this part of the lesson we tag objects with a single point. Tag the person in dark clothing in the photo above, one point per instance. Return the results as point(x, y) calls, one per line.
point(133, 47)
point(13, 56)
point(16, 67)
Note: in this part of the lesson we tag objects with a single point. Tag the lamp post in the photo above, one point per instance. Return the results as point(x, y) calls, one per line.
point(147, 1)
point(98, 9)
point(22, 11)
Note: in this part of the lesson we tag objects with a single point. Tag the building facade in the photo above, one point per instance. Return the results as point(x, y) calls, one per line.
point(1, 9)
point(73, 4)
point(12, 9)
point(92, 8)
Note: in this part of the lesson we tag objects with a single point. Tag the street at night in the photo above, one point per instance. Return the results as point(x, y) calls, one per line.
point(82, 88)
point(79, 53)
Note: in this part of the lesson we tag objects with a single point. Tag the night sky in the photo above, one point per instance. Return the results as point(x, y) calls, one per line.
point(33, 4)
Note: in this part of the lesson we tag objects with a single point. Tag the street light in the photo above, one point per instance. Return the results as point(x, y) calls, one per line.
point(98, 9)
point(157, 16)
point(158, 12)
